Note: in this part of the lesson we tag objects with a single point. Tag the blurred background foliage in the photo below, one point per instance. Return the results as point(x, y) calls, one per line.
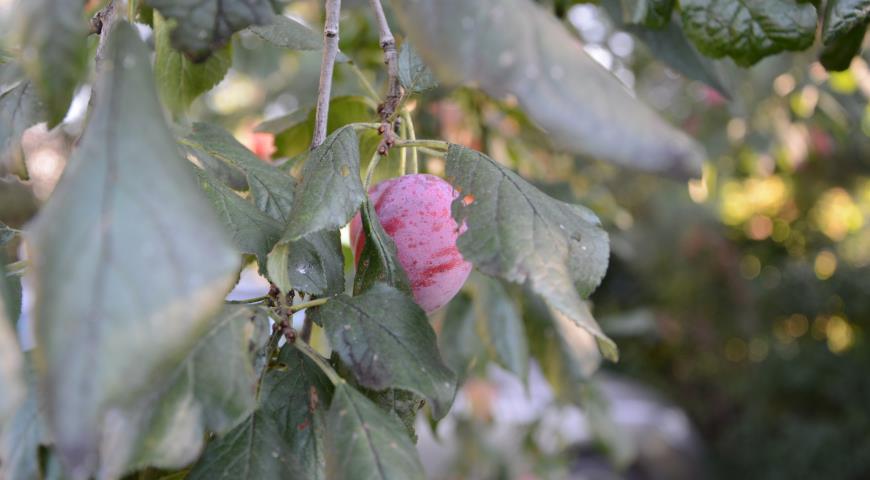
point(742, 298)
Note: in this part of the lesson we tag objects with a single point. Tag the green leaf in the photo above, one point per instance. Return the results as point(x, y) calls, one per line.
point(296, 397)
point(313, 264)
point(378, 261)
point(499, 325)
point(459, 342)
point(252, 231)
point(566, 354)
point(651, 13)
point(364, 442)
point(289, 33)
point(748, 31)
point(272, 189)
point(180, 81)
point(330, 191)
point(843, 32)
point(515, 48)
point(204, 26)
point(670, 45)
point(400, 404)
point(20, 108)
point(387, 342)
point(21, 436)
point(53, 35)
point(12, 388)
point(211, 390)
point(414, 75)
point(151, 262)
point(253, 449)
point(517, 233)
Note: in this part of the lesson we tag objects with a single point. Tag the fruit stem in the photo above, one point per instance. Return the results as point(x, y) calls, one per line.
point(308, 304)
point(439, 145)
point(412, 136)
point(320, 361)
point(367, 86)
point(370, 171)
point(403, 154)
point(247, 300)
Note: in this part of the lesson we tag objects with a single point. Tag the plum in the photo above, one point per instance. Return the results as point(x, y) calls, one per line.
point(415, 212)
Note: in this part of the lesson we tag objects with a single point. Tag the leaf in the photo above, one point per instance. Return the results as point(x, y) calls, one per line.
point(499, 325)
point(20, 108)
point(21, 436)
point(364, 442)
point(272, 189)
point(289, 33)
point(379, 260)
point(313, 264)
point(180, 81)
point(204, 26)
point(651, 13)
point(252, 231)
point(6, 234)
point(386, 341)
point(748, 31)
point(53, 34)
point(843, 32)
point(254, 449)
point(566, 354)
point(515, 48)
point(670, 45)
point(330, 191)
point(460, 344)
point(211, 390)
point(150, 261)
point(12, 388)
point(414, 75)
point(297, 399)
point(521, 235)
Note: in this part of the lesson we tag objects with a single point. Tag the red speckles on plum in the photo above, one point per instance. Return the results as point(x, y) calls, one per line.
point(415, 211)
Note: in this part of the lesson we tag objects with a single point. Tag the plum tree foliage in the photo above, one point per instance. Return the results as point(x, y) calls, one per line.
point(140, 365)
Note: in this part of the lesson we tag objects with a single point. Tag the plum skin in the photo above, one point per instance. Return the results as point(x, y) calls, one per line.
point(414, 211)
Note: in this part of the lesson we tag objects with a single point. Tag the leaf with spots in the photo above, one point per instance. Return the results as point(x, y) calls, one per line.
point(364, 442)
point(313, 264)
point(386, 341)
point(150, 259)
point(748, 31)
point(271, 188)
point(180, 81)
point(330, 191)
point(378, 260)
point(516, 48)
point(414, 75)
point(517, 233)
point(204, 26)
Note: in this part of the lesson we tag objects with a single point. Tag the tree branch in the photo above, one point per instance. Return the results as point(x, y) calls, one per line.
point(387, 109)
point(327, 65)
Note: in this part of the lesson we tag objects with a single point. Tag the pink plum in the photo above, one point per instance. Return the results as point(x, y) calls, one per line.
point(415, 212)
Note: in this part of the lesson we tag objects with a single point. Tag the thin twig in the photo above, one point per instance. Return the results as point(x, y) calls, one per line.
point(307, 328)
point(320, 361)
point(367, 86)
point(327, 65)
point(388, 108)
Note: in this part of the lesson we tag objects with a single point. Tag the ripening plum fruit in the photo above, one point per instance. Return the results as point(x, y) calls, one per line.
point(415, 212)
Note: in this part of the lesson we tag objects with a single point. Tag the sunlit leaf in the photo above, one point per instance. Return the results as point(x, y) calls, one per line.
point(515, 48)
point(53, 34)
point(180, 81)
point(330, 191)
point(289, 33)
point(150, 260)
point(387, 342)
point(364, 442)
point(748, 31)
point(518, 233)
point(204, 26)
